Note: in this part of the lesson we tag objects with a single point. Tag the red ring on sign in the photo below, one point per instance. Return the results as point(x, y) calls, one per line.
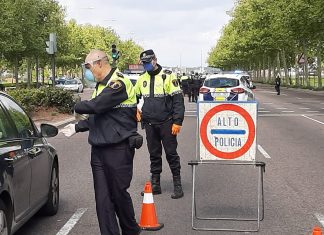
point(211, 148)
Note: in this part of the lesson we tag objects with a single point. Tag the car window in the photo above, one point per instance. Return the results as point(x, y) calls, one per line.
point(21, 120)
point(6, 131)
point(70, 82)
point(221, 82)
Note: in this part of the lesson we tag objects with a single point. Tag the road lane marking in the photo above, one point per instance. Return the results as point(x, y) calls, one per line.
point(299, 98)
point(263, 111)
point(288, 111)
point(320, 218)
point(72, 221)
point(191, 111)
point(265, 154)
point(313, 119)
point(261, 108)
point(267, 103)
point(288, 114)
point(281, 108)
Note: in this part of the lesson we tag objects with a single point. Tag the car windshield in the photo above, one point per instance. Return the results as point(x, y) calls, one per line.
point(221, 82)
point(60, 82)
point(70, 82)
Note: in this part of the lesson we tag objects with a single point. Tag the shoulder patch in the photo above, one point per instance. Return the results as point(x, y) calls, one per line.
point(175, 82)
point(166, 71)
point(115, 84)
point(119, 74)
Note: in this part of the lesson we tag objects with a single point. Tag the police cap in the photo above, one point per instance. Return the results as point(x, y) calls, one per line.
point(147, 56)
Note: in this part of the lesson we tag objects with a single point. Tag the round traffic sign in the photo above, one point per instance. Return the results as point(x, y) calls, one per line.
point(213, 150)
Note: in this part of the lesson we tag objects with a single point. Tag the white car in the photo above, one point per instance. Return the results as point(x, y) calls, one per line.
point(133, 77)
point(73, 85)
point(227, 87)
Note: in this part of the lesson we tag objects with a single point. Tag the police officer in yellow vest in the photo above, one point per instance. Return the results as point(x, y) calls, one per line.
point(162, 116)
point(111, 125)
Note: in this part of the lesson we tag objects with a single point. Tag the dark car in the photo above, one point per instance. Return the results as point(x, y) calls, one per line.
point(29, 179)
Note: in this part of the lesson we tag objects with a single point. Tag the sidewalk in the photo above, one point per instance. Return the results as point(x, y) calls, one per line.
point(282, 87)
point(58, 124)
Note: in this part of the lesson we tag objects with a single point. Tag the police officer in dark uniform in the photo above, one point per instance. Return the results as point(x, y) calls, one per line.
point(184, 84)
point(277, 84)
point(162, 115)
point(112, 127)
point(196, 83)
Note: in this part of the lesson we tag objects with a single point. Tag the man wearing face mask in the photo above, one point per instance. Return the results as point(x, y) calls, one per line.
point(162, 116)
point(111, 125)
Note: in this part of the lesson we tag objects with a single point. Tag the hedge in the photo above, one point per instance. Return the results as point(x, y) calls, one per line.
point(33, 98)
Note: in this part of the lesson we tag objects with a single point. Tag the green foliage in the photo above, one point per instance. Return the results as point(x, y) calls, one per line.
point(260, 29)
point(31, 99)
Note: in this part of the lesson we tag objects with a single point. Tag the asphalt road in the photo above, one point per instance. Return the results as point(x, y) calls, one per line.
point(290, 132)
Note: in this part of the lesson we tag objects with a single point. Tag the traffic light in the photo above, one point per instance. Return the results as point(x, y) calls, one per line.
point(115, 53)
point(51, 44)
point(50, 47)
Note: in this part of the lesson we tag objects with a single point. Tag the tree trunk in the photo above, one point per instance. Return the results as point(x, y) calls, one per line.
point(264, 69)
point(16, 71)
point(269, 69)
point(284, 63)
point(297, 72)
point(306, 65)
point(43, 76)
point(319, 67)
point(278, 65)
point(37, 72)
point(28, 72)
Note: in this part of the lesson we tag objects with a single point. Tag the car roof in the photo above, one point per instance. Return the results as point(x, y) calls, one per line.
point(232, 76)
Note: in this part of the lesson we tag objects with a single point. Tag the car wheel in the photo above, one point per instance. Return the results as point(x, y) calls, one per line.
point(4, 218)
point(51, 206)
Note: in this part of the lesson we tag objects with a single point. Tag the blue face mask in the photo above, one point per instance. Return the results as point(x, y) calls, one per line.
point(89, 75)
point(148, 67)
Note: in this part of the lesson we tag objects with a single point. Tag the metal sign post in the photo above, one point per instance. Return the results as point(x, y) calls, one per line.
point(227, 136)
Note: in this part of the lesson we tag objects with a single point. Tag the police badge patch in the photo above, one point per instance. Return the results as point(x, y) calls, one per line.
point(144, 84)
point(115, 84)
point(175, 82)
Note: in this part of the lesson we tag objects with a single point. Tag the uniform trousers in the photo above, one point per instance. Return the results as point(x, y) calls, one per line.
point(112, 169)
point(156, 136)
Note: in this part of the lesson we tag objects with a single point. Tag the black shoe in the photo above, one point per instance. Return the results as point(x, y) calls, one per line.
point(178, 192)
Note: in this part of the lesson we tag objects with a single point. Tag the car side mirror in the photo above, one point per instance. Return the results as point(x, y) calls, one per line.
point(253, 87)
point(48, 130)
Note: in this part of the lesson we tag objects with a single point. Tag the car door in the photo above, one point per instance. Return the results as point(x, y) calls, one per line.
point(16, 163)
point(36, 152)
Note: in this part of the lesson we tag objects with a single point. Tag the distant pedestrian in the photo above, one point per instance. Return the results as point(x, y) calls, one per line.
point(277, 84)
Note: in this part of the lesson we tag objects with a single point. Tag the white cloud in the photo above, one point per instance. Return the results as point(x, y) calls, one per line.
point(176, 30)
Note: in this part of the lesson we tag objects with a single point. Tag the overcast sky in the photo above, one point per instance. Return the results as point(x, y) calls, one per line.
point(181, 32)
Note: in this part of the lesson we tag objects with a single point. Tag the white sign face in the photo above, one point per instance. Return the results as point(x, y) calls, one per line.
point(227, 130)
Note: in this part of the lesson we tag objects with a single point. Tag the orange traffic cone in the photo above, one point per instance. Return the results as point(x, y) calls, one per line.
point(148, 218)
point(317, 231)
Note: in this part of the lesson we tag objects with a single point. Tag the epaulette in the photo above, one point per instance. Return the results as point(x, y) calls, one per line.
point(119, 74)
point(167, 71)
